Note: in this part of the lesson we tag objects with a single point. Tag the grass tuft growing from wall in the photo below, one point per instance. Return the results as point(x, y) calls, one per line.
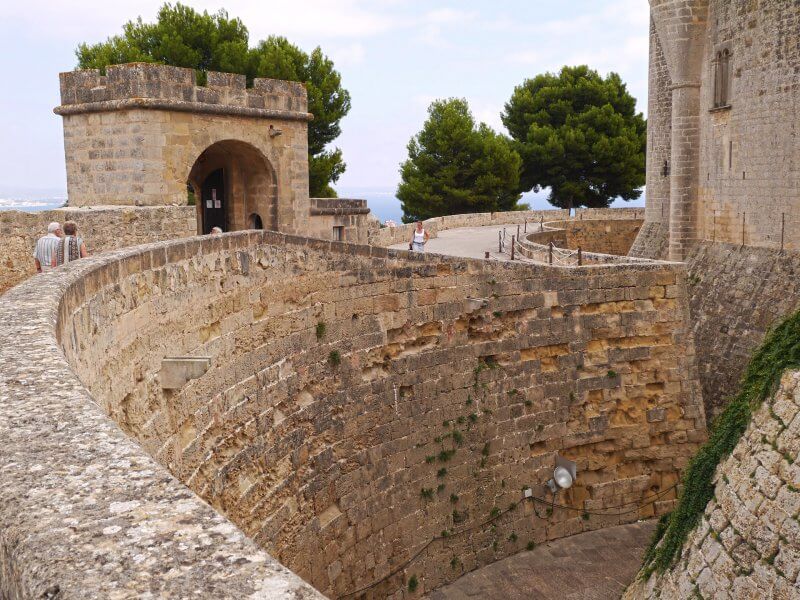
point(779, 351)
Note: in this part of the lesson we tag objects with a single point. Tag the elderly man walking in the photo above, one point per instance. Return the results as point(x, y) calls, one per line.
point(46, 248)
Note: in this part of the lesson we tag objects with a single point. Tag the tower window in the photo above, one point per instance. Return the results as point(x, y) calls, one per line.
point(722, 73)
point(338, 233)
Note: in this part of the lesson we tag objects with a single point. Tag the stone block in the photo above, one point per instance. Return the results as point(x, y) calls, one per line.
point(177, 371)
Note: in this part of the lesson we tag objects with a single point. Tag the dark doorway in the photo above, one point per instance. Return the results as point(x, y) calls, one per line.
point(255, 222)
point(213, 198)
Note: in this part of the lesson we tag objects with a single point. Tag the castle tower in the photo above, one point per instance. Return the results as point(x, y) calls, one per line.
point(681, 26)
point(147, 135)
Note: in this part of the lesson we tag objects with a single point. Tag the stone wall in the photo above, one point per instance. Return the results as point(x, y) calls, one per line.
point(389, 236)
point(142, 133)
point(749, 152)
point(744, 183)
point(361, 401)
point(351, 216)
point(102, 228)
point(736, 293)
point(747, 544)
point(85, 513)
point(603, 236)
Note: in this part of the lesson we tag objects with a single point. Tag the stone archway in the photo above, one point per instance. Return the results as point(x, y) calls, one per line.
point(233, 182)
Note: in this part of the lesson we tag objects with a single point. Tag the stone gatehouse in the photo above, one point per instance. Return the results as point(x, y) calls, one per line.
point(147, 135)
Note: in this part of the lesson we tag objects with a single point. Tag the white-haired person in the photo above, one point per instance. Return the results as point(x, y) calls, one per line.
point(46, 247)
point(71, 247)
point(216, 230)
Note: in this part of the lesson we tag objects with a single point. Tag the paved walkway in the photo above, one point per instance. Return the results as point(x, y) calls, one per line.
point(470, 242)
point(596, 565)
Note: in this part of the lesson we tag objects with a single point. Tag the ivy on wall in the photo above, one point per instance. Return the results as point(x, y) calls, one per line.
point(779, 351)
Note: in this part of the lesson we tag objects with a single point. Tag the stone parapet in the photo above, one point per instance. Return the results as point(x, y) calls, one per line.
point(747, 544)
point(359, 402)
point(338, 206)
point(594, 235)
point(388, 236)
point(147, 85)
point(85, 513)
point(102, 228)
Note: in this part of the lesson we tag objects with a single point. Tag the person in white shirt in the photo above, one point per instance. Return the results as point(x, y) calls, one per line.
point(419, 238)
point(46, 248)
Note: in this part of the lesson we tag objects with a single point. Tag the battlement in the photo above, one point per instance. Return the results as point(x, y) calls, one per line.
point(148, 85)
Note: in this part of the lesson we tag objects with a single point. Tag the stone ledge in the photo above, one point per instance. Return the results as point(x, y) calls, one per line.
point(181, 106)
point(74, 482)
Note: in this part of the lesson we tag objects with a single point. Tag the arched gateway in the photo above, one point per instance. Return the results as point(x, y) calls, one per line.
point(137, 135)
point(236, 188)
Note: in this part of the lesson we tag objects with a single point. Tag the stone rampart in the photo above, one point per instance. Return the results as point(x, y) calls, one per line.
point(747, 544)
point(102, 228)
point(603, 236)
point(389, 236)
point(359, 403)
point(736, 294)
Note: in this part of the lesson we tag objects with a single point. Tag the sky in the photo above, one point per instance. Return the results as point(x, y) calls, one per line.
point(395, 57)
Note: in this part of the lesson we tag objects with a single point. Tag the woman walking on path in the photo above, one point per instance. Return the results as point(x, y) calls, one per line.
point(71, 246)
point(419, 238)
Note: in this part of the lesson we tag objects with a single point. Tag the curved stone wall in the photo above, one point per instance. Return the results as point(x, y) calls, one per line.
point(389, 236)
point(103, 228)
point(359, 402)
point(602, 236)
point(748, 542)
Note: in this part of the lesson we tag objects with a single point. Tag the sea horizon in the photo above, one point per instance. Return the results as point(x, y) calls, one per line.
point(381, 200)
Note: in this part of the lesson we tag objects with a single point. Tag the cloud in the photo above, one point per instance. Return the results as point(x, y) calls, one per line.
point(489, 113)
point(430, 27)
point(97, 19)
point(347, 55)
point(423, 100)
point(525, 57)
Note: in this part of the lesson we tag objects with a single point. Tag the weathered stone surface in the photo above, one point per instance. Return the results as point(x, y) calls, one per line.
point(751, 549)
point(102, 228)
point(144, 132)
point(722, 173)
point(340, 375)
point(595, 565)
point(736, 294)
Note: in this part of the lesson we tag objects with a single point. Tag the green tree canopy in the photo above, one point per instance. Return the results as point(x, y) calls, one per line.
point(184, 37)
point(455, 166)
point(579, 135)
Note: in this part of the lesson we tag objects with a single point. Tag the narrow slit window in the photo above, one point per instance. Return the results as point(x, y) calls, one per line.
point(338, 233)
point(722, 70)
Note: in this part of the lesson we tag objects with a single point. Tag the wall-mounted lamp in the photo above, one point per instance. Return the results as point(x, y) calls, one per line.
point(563, 475)
point(665, 169)
point(274, 131)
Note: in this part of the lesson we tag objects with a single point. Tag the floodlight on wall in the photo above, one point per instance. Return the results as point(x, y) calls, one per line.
point(564, 475)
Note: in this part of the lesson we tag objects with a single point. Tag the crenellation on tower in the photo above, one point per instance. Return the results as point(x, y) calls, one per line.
point(157, 86)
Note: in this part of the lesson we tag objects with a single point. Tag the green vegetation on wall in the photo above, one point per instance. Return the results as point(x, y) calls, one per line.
point(780, 351)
